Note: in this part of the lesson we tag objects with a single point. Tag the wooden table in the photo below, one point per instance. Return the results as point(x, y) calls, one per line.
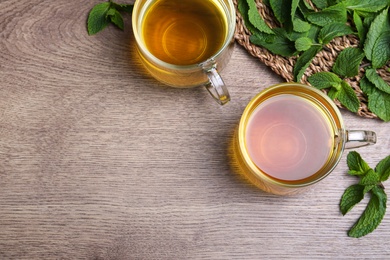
point(100, 161)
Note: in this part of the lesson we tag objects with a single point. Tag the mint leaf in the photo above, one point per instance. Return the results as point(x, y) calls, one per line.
point(97, 18)
point(243, 8)
point(378, 100)
point(128, 8)
point(347, 96)
point(366, 5)
point(321, 4)
point(357, 166)
point(372, 215)
point(104, 13)
point(380, 83)
point(352, 196)
point(313, 32)
point(333, 93)
point(381, 50)
point(281, 9)
point(367, 87)
point(378, 26)
point(294, 7)
point(116, 17)
point(383, 168)
point(304, 61)
point(321, 80)
point(379, 103)
point(293, 35)
point(255, 18)
point(369, 182)
point(333, 14)
point(333, 30)
point(368, 188)
point(348, 62)
point(370, 178)
point(362, 31)
point(303, 43)
point(278, 43)
point(300, 26)
point(305, 8)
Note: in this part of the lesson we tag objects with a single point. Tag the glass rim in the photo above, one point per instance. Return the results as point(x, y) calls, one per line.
point(231, 23)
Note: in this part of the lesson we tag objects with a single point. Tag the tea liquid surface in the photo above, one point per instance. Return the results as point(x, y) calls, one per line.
point(184, 32)
point(289, 138)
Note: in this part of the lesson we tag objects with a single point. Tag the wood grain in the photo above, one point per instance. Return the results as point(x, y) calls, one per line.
point(100, 161)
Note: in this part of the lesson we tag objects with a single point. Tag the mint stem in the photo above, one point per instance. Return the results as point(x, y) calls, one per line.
point(364, 65)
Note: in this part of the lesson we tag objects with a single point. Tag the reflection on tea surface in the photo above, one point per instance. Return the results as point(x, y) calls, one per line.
point(183, 32)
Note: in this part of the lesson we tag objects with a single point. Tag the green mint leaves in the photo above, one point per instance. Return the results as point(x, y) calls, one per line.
point(303, 31)
point(346, 65)
point(371, 183)
point(380, 27)
point(105, 13)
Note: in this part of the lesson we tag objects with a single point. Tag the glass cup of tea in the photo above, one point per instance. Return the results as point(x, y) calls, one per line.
point(186, 43)
point(291, 136)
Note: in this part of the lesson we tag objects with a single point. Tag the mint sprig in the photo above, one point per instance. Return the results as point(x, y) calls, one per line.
point(303, 31)
point(370, 183)
point(105, 13)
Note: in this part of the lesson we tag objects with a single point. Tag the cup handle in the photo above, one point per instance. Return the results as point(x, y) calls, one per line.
point(359, 138)
point(216, 86)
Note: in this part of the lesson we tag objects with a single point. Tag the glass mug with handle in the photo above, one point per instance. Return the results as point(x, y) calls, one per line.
point(185, 43)
point(291, 136)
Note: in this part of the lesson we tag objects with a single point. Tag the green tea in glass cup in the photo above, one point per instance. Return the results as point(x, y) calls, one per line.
point(186, 43)
point(291, 136)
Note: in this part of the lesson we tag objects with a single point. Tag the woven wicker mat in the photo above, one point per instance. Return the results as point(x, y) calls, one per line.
point(322, 62)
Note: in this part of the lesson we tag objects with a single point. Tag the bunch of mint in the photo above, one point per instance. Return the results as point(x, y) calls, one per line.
point(105, 13)
point(306, 29)
point(370, 182)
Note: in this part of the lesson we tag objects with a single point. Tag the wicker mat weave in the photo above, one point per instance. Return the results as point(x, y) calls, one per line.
point(322, 62)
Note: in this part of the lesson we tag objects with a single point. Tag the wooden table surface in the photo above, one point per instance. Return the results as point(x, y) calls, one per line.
point(100, 161)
